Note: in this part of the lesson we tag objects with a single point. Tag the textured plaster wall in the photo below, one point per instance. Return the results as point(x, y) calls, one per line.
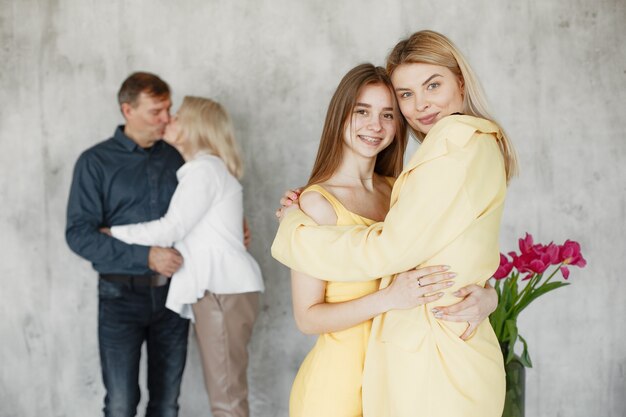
point(555, 75)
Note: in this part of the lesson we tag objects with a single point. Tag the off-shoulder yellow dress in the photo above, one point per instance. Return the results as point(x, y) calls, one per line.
point(328, 383)
point(446, 208)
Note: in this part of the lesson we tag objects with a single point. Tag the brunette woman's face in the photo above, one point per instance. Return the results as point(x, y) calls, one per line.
point(427, 93)
point(372, 126)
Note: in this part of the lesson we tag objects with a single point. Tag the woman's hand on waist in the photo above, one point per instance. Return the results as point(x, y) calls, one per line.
point(417, 287)
point(476, 305)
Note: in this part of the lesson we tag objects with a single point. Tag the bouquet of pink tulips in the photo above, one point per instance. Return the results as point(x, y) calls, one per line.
point(523, 277)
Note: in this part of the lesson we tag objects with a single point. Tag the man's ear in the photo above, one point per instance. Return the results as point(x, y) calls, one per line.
point(126, 109)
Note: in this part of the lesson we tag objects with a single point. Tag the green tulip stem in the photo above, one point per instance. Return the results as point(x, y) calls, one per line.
point(558, 268)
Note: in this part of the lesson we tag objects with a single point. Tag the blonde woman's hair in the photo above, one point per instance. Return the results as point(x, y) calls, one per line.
point(207, 127)
point(429, 47)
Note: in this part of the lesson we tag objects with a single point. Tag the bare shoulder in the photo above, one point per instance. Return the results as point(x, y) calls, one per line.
point(316, 206)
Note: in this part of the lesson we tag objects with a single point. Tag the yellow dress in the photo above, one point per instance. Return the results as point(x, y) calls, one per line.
point(328, 383)
point(446, 208)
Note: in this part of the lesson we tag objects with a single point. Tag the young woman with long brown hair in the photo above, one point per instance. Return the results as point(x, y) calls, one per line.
point(360, 154)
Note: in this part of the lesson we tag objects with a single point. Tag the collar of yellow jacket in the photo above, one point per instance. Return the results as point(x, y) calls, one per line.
point(454, 130)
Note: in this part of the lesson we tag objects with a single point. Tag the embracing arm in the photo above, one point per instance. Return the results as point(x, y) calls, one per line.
point(193, 197)
point(314, 316)
point(476, 304)
point(432, 209)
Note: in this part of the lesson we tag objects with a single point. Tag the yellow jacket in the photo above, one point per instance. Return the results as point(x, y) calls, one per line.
point(446, 208)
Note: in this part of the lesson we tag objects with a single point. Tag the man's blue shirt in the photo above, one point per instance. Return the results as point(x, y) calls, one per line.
point(117, 182)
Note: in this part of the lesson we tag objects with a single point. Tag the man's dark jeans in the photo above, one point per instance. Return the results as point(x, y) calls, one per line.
point(127, 315)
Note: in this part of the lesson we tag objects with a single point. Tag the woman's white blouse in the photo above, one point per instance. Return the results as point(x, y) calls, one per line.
point(204, 222)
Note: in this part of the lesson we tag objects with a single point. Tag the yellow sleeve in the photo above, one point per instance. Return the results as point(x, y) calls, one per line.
point(439, 199)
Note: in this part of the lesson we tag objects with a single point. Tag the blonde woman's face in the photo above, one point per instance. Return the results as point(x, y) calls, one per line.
point(172, 133)
point(427, 93)
point(372, 127)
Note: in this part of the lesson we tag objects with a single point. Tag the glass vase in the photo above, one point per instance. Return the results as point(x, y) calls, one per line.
point(515, 388)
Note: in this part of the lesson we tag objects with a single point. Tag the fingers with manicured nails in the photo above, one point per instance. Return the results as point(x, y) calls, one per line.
point(429, 289)
point(431, 298)
point(405, 292)
point(467, 290)
point(482, 301)
point(290, 196)
point(287, 199)
point(427, 286)
point(451, 317)
point(435, 278)
point(461, 307)
point(468, 332)
point(474, 308)
point(432, 274)
point(429, 275)
point(461, 311)
point(427, 270)
point(421, 290)
point(283, 211)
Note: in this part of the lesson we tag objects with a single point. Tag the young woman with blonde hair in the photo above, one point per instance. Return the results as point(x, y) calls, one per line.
point(219, 283)
point(446, 208)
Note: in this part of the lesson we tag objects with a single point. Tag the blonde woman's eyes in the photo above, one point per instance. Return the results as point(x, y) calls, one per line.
point(432, 86)
point(405, 94)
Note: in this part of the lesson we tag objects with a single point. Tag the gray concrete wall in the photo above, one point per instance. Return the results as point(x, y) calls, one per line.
point(555, 74)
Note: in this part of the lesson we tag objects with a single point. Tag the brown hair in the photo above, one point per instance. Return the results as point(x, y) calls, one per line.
point(330, 152)
point(207, 126)
point(430, 47)
point(142, 82)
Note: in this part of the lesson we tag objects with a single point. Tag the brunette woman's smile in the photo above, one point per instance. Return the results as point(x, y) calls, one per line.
point(370, 140)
